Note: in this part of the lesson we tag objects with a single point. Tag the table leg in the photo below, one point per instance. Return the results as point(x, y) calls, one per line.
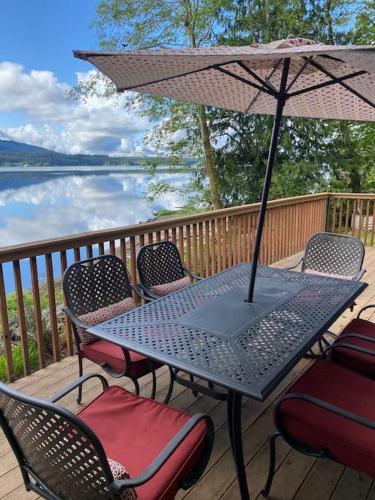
point(235, 436)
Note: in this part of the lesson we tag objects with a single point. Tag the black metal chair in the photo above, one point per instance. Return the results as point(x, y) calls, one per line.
point(355, 345)
point(333, 255)
point(97, 289)
point(143, 449)
point(161, 270)
point(328, 413)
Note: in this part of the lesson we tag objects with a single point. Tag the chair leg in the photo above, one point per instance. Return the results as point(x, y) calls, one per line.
point(170, 388)
point(80, 371)
point(311, 355)
point(136, 385)
point(195, 393)
point(153, 390)
point(271, 471)
point(334, 335)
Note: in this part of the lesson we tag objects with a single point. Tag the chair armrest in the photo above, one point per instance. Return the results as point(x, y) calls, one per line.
point(74, 319)
point(69, 388)
point(139, 291)
point(149, 296)
point(370, 306)
point(192, 275)
point(351, 347)
point(119, 485)
point(355, 336)
point(299, 261)
point(358, 419)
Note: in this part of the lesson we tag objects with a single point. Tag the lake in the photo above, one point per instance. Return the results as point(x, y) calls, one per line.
point(44, 202)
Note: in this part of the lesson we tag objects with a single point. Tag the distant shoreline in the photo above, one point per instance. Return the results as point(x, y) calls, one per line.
point(95, 168)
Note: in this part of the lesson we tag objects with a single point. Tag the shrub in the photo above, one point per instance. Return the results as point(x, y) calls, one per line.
point(18, 361)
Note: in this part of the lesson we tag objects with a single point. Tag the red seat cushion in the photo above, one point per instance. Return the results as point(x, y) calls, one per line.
point(347, 442)
point(360, 362)
point(134, 430)
point(103, 351)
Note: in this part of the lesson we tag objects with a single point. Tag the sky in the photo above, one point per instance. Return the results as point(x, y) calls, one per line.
point(37, 70)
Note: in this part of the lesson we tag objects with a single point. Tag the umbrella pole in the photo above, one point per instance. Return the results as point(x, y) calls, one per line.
point(281, 98)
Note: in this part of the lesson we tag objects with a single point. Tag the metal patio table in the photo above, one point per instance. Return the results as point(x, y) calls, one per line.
point(209, 330)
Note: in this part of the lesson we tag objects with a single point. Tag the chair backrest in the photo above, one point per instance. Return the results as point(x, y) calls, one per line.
point(333, 254)
point(159, 263)
point(95, 283)
point(59, 455)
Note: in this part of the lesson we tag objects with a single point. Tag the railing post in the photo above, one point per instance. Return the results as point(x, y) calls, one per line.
point(327, 213)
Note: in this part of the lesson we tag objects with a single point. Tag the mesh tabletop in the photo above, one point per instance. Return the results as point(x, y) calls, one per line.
point(208, 330)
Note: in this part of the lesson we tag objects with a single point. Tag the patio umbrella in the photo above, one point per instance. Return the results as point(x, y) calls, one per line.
point(292, 77)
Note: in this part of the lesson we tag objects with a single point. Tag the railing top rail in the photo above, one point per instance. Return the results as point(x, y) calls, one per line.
point(353, 196)
point(43, 247)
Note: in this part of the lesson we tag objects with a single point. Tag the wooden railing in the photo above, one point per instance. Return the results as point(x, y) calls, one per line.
point(352, 214)
point(208, 243)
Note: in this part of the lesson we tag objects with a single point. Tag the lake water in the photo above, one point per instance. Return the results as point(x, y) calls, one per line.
point(41, 203)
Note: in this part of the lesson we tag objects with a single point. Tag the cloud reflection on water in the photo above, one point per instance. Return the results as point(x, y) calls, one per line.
point(68, 204)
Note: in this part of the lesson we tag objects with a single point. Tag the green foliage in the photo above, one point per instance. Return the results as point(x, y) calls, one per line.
point(365, 24)
point(28, 299)
point(313, 155)
point(157, 23)
point(18, 361)
point(353, 168)
point(179, 212)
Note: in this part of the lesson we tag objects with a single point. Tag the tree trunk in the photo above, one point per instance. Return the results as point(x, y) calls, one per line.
point(209, 158)
point(205, 133)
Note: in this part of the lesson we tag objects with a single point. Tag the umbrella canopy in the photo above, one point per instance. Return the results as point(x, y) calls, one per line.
point(246, 79)
point(292, 77)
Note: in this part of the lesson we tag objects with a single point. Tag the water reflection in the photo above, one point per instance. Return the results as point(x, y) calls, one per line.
point(42, 204)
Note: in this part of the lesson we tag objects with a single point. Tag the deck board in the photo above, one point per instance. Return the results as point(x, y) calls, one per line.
point(298, 477)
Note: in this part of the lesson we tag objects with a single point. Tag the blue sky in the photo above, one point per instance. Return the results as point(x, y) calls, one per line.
point(41, 34)
point(37, 69)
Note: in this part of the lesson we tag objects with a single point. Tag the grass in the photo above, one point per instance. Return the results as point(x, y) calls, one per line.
point(18, 361)
point(13, 314)
point(28, 299)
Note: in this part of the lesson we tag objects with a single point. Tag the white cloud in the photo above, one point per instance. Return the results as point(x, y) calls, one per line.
point(68, 204)
point(53, 120)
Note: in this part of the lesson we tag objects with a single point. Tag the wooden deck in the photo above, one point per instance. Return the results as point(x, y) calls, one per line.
point(298, 477)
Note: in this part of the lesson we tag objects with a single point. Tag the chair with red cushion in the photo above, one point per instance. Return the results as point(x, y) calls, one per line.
point(355, 345)
point(332, 255)
point(328, 412)
point(96, 290)
point(161, 270)
point(120, 446)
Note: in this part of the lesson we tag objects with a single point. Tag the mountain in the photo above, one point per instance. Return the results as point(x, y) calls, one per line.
point(8, 146)
point(14, 153)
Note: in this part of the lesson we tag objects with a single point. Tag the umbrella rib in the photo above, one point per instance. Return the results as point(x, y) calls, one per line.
point(248, 70)
point(243, 80)
point(326, 84)
point(206, 68)
point(343, 84)
point(298, 74)
point(255, 98)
